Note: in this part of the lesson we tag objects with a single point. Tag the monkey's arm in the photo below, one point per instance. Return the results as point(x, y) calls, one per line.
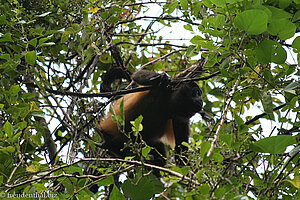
point(181, 131)
point(145, 77)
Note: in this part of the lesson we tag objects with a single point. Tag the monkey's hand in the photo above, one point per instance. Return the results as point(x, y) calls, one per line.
point(208, 119)
point(145, 77)
point(162, 79)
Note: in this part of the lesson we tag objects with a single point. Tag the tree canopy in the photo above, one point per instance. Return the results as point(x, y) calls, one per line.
point(63, 62)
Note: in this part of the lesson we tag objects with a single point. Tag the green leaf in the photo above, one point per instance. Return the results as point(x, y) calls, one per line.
point(296, 43)
point(226, 138)
point(92, 144)
point(8, 150)
point(122, 113)
point(33, 42)
point(169, 8)
point(21, 125)
point(37, 31)
point(205, 146)
point(16, 137)
point(37, 113)
point(219, 3)
point(295, 182)
point(3, 20)
point(6, 38)
point(146, 151)
point(105, 58)
point(217, 157)
point(45, 39)
point(196, 40)
point(142, 187)
point(284, 28)
point(68, 184)
point(270, 51)
point(50, 32)
point(85, 19)
point(274, 144)
point(263, 8)
point(13, 94)
point(182, 170)
point(292, 86)
point(107, 181)
point(28, 95)
point(31, 57)
point(137, 124)
point(284, 3)
point(267, 102)
point(65, 37)
point(8, 129)
point(5, 56)
point(204, 189)
point(116, 194)
point(36, 139)
point(242, 128)
point(220, 20)
point(190, 50)
point(254, 21)
point(113, 19)
point(220, 192)
point(278, 13)
point(184, 4)
point(188, 27)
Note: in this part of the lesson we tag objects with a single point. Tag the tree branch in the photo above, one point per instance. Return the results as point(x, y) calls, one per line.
point(157, 19)
point(160, 58)
point(223, 117)
point(150, 45)
point(103, 94)
point(49, 142)
point(262, 115)
point(133, 162)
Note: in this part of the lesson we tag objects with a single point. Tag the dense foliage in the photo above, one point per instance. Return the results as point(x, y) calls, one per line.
point(63, 62)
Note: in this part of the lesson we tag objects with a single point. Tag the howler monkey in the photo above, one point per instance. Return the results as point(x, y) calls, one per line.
point(166, 109)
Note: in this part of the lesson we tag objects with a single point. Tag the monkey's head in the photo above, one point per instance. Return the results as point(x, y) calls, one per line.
point(186, 99)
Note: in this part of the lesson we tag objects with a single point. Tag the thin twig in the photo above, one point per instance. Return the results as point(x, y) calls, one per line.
point(150, 44)
point(98, 179)
point(263, 114)
point(160, 58)
point(157, 19)
point(15, 169)
point(223, 117)
point(73, 125)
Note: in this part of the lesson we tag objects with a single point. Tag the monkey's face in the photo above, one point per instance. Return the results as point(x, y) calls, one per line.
point(196, 97)
point(186, 99)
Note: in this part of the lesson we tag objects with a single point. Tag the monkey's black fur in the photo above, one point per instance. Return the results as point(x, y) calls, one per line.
point(166, 110)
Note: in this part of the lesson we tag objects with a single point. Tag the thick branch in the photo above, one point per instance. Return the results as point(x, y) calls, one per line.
point(133, 162)
point(103, 94)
